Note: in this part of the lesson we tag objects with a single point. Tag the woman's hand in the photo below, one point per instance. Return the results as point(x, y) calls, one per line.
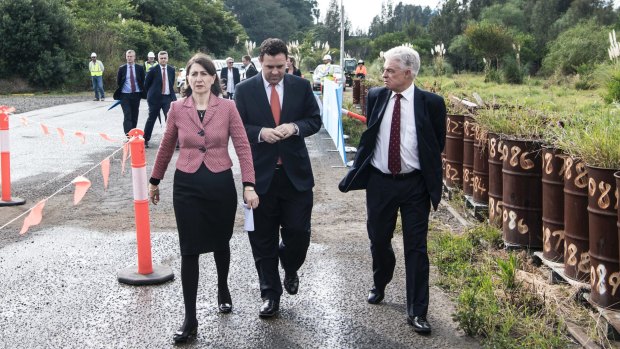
point(154, 193)
point(250, 197)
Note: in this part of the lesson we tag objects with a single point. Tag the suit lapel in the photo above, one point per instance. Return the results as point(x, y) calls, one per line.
point(286, 100)
point(190, 108)
point(419, 111)
point(379, 110)
point(213, 102)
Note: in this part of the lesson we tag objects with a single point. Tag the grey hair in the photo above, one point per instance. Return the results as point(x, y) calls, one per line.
point(130, 51)
point(406, 56)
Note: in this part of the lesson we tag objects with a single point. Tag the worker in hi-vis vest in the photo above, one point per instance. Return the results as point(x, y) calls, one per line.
point(150, 62)
point(96, 74)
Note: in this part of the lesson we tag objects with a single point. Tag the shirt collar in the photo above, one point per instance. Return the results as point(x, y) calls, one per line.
point(266, 83)
point(406, 94)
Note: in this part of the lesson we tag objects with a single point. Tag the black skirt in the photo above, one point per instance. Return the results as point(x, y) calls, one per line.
point(205, 204)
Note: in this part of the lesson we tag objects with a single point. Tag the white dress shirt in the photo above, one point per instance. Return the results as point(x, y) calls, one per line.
point(409, 158)
point(167, 81)
point(230, 82)
point(127, 84)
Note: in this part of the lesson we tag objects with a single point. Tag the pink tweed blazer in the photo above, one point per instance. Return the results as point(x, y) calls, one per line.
point(205, 142)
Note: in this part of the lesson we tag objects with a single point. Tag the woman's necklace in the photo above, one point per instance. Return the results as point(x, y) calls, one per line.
point(201, 114)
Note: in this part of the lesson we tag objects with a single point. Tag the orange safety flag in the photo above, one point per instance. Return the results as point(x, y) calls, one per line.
point(81, 187)
point(81, 136)
point(46, 130)
point(61, 133)
point(107, 138)
point(105, 171)
point(6, 110)
point(125, 151)
point(34, 218)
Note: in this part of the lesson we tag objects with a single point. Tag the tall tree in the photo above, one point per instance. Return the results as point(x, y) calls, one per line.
point(449, 22)
point(269, 19)
point(332, 23)
point(301, 10)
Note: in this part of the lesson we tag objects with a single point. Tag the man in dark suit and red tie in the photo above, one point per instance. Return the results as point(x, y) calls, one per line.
point(279, 110)
point(130, 89)
point(159, 85)
point(399, 164)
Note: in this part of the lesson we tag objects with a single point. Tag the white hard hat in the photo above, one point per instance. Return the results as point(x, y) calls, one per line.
point(151, 54)
point(93, 54)
point(327, 57)
point(361, 61)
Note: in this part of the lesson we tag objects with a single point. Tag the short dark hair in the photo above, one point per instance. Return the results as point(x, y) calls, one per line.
point(206, 62)
point(247, 58)
point(273, 47)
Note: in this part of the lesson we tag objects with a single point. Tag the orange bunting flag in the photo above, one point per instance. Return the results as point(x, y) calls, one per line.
point(34, 218)
point(6, 110)
point(107, 138)
point(105, 171)
point(61, 133)
point(24, 121)
point(81, 187)
point(46, 130)
point(81, 136)
point(125, 151)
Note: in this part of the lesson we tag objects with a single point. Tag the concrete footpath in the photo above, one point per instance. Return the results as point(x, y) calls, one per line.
point(58, 286)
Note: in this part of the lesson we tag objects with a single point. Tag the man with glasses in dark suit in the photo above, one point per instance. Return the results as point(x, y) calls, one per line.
point(399, 164)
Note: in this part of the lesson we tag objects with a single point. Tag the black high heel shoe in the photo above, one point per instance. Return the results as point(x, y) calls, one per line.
point(224, 301)
point(182, 335)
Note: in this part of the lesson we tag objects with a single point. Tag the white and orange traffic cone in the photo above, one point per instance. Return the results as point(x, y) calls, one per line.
point(146, 273)
point(5, 160)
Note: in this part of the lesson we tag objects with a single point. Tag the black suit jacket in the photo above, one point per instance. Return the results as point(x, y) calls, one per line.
point(236, 76)
point(298, 106)
point(120, 80)
point(250, 71)
point(430, 122)
point(153, 83)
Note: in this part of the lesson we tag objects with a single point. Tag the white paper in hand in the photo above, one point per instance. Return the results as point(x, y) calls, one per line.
point(249, 218)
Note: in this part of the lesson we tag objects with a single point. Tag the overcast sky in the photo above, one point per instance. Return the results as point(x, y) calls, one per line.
point(361, 12)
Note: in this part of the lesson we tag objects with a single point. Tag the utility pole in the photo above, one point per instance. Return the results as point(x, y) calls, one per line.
point(342, 35)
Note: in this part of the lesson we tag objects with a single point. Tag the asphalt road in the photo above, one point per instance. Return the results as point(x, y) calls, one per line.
point(59, 285)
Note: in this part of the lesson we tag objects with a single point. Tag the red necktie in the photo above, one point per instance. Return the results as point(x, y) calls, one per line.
point(275, 105)
point(132, 79)
point(394, 148)
point(163, 81)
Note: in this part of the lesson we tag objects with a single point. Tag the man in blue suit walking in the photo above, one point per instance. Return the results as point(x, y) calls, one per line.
point(159, 85)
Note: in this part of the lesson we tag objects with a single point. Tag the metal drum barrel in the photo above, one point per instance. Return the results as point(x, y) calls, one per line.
point(576, 236)
point(553, 204)
point(496, 159)
point(481, 167)
point(453, 172)
point(356, 91)
point(603, 227)
point(522, 193)
point(469, 133)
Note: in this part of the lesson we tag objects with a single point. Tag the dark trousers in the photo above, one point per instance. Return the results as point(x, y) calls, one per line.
point(286, 211)
point(230, 96)
point(154, 107)
point(384, 197)
point(130, 102)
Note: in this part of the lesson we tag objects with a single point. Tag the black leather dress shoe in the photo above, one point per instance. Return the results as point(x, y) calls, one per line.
point(375, 296)
point(224, 301)
point(291, 283)
point(269, 308)
point(420, 324)
point(146, 144)
point(183, 334)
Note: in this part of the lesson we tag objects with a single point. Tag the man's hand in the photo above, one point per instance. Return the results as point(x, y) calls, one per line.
point(287, 130)
point(271, 135)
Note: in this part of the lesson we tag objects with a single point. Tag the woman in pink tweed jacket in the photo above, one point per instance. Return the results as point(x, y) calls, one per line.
point(204, 194)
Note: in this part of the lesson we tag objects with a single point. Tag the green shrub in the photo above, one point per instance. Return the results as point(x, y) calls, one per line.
point(613, 89)
point(38, 41)
point(512, 71)
point(492, 75)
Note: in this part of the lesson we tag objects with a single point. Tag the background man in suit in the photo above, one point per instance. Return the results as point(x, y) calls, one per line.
point(159, 85)
point(278, 111)
point(399, 164)
point(250, 69)
point(130, 88)
point(230, 78)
